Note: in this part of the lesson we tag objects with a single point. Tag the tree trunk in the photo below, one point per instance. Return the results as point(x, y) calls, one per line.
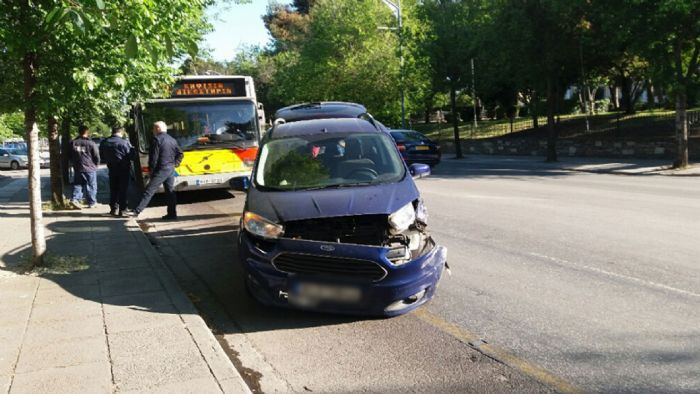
point(660, 96)
point(591, 100)
point(65, 148)
point(614, 98)
point(55, 164)
point(551, 125)
point(651, 104)
point(627, 95)
point(455, 121)
point(29, 64)
point(429, 107)
point(681, 130)
point(533, 110)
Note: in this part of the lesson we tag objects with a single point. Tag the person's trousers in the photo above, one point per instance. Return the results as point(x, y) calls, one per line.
point(85, 183)
point(165, 177)
point(118, 187)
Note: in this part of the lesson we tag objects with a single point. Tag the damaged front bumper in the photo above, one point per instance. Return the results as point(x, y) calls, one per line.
point(338, 277)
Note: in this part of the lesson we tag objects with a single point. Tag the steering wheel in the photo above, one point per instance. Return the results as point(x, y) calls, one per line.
point(363, 173)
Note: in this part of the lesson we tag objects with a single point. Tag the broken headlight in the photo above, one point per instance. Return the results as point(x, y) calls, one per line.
point(402, 219)
point(258, 225)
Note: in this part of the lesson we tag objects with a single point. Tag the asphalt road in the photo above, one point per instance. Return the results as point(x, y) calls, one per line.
point(573, 280)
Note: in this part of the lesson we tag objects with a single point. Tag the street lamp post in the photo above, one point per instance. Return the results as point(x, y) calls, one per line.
point(397, 7)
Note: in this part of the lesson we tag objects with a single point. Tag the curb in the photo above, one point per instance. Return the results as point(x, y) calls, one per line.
point(218, 362)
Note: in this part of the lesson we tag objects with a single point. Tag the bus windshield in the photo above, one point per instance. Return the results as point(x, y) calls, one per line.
point(205, 125)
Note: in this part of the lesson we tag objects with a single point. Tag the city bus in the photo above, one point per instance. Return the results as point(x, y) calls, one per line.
point(217, 122)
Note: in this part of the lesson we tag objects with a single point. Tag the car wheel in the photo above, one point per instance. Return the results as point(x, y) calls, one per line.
point(14, 165)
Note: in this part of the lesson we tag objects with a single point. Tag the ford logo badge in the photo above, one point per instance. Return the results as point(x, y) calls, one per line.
point(327, 248)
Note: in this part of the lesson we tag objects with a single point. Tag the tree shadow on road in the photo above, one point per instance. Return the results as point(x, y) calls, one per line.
point(118, 273)
point(504, 168)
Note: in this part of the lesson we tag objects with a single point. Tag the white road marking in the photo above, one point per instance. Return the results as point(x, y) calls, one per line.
point(616, 275)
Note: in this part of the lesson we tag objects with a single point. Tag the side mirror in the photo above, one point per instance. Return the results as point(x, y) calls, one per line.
point(239, 183)
point(419, 170)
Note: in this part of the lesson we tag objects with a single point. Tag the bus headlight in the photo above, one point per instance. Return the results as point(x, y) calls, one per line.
point(261, 227)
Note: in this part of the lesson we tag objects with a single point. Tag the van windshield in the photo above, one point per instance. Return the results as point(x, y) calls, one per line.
point(328, 160)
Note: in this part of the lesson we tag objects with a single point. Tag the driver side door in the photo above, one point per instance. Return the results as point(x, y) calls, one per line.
point(4, 158)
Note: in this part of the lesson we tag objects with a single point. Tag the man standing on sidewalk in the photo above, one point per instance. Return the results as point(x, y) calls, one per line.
point(85, 159)
point(117, 152)
point(163, 156)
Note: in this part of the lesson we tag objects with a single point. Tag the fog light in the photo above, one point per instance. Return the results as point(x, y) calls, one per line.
point(406, 302)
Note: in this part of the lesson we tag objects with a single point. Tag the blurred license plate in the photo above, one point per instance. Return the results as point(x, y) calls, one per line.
point(313, 293)
point(208, 181)
point(422, 147)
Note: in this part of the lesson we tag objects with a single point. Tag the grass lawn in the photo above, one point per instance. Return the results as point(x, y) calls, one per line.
point(644, 125)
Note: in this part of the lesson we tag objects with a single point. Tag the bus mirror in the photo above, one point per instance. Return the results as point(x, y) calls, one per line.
point(239, 183)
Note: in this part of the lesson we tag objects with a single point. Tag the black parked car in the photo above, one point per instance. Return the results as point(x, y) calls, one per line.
point(416, 147)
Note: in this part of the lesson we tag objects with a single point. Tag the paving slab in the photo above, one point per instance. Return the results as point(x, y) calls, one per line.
point(73, 311)
point(73, 294)
point(128, 282)
point(63, 354)
point(8, 355)
point(40, 333)
point(155, 356)
point(5, 383)
point(111, 263)
point(64, 281)
point(124, 318)
point(194, 386)
point(92, 378)
point(146, 300)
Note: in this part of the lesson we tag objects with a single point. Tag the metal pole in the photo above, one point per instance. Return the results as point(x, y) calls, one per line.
point(474, 93)
point(397, 6)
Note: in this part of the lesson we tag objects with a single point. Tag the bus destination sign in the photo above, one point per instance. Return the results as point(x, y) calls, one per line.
point(209, 88)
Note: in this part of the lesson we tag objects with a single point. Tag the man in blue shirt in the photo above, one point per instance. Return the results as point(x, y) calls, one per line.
point(163, 156)
point(117, 153)
point(85, 158)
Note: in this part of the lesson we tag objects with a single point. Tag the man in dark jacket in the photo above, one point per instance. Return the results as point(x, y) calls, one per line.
point(117, 153)
point(163, 156)
point(85, 158)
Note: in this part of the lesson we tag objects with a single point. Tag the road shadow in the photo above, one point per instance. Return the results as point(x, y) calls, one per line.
point(495, 168)
point(525, 168)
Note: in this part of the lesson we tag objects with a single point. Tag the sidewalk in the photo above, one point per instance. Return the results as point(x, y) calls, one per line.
point(122, 325)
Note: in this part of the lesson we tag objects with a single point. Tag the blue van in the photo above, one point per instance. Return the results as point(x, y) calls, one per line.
point(334, 222)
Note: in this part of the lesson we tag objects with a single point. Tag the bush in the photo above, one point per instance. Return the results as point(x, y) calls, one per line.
point(11, 125)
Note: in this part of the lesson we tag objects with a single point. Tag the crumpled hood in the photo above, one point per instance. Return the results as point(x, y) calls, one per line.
point(348, 201)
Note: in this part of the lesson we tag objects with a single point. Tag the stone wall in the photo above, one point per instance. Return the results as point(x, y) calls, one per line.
point(567, 147)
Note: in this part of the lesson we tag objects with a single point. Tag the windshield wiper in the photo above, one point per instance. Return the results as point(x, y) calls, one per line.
point(337, 186)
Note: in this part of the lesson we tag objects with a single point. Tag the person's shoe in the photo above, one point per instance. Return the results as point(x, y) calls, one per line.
point(169, 217)
point(121, 214)
point(113, 212)
point(90, 206)
point(131, 214)
point(74, 204)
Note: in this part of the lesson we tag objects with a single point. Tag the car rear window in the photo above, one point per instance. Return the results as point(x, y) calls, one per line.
point(409, 136)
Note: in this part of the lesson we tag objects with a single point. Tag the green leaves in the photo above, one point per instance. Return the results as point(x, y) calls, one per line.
point(100, 4)
point(192, 48)
point(51, 16)
point(77, 20)
point(132, 47)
